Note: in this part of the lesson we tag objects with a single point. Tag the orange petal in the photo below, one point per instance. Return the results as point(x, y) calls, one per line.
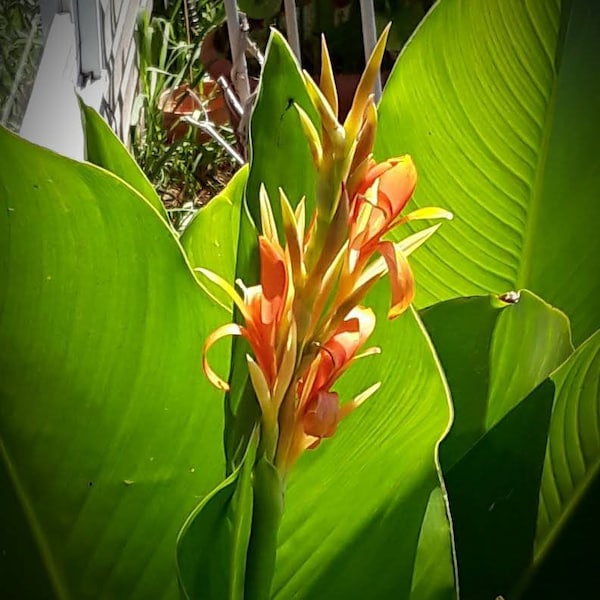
point(401, 278)
point(398, 184)
point(273, 278)
point(322, 415)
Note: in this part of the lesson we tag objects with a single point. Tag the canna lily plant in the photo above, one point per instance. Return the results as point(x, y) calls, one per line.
point(218, 379)
point(305, 322)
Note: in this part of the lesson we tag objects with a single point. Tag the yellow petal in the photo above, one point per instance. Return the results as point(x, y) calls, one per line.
point(348, 407)
point(311, 135)
point(267, 218)
point(428, 212)
point(221, 332)
point(286, 370)
point(327, 81)
point(408, 245)
point(259, 383)
point(227, 288)
point(293, 236)
point(401, 278)
point(331, 127)
point(353, 121)
point(366, 136)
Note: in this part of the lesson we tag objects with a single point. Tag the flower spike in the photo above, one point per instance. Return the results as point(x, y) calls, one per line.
point(304, 321)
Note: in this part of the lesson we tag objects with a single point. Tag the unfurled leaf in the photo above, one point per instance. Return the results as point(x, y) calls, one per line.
point(105, 149)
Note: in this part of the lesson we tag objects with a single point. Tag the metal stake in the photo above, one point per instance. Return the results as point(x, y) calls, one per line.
point(369, 31)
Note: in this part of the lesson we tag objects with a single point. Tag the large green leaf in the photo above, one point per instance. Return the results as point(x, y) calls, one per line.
point(355, 506)
point(109, 431)
point(510, 505)
point(105, 149)
point(222, 215)
point(499, 103)
point(213, 543)
point(494, 354)
point(572, 460)
point(280, 154)
point(493, 492)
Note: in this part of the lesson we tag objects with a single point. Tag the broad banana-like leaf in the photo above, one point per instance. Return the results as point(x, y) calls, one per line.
point(572, 458)
point(217, 253)
point(213, 543)
point(355, 507)
point(109, 432)
point(493, 492)
point(495, 355)
point(104, 148)
point(499, 104)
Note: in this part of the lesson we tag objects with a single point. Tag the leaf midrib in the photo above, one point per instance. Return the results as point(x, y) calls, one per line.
point(538, 187)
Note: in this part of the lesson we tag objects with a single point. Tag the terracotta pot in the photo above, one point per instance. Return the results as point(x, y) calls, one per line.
point(181, 101)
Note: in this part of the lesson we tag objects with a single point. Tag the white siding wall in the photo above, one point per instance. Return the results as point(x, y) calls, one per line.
point(52, 118)
point(118, 19)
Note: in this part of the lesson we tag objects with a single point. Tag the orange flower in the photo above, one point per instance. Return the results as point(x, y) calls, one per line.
point(379, 199)
point(264, 310)
point(266, 304)
point(319, 410)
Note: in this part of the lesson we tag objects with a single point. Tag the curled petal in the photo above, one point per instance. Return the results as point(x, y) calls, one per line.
point(221, 332)
point(401, 278)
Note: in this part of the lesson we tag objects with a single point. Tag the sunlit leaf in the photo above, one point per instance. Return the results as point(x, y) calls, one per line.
point(500, 108)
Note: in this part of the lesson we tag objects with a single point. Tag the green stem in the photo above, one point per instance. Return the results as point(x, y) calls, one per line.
point(268, 491)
